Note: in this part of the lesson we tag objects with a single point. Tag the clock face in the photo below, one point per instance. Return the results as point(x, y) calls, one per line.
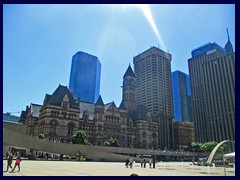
point(131, 81)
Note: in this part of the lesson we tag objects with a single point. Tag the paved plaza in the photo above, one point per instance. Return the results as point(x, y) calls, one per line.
point(74, 168)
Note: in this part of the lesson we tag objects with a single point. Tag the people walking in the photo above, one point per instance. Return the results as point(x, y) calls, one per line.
point(141, 161)
point(9, 161)
point(153, 161)
point(126, 163)
point(17, 163)
point(144, 163)
point(131, 162)
point(150, 162)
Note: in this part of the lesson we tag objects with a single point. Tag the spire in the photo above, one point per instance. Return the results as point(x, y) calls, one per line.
point(228, 34)
point(129, 72)
point(99, 101)
point(228, 47)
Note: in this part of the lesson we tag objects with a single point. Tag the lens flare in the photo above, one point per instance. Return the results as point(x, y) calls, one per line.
point(148, 14)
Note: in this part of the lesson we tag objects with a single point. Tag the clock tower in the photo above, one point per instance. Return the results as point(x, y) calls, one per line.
point(129, 92)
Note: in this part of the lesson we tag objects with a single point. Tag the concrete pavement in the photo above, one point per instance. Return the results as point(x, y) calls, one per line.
point(74, 168)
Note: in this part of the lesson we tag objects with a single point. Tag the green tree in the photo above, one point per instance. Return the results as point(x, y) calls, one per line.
point(41, 136)
point(79, 138)
point(196, 146)
point(111, 142)
point(223, 148)
point(208, 146)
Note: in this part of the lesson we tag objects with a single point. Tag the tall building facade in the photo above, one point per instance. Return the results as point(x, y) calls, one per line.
point(181, 93)
point(154, 90)
point(85, 77)
point(212, 76)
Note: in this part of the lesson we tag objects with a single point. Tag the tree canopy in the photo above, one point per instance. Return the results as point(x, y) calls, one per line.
point(111, 142)
point(41, 136)
point(207, 146)
point(79, 138)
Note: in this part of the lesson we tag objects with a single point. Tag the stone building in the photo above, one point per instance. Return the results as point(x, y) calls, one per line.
point(183, 134)
point(61, 116)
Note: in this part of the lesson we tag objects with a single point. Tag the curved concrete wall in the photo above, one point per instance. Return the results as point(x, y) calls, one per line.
point(13, 135)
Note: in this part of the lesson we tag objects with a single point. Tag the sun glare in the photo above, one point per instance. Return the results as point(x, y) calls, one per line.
point(148, 14)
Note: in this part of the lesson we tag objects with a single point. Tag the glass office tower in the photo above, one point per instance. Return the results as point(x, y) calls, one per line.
point(85, 77)
point(181, 93)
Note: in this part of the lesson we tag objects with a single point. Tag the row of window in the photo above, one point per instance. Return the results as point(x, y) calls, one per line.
point(63, 115)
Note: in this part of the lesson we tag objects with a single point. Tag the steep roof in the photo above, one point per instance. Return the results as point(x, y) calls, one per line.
point(107, 106)
point(122, 106)
point(46, 99)
point(58, 95)
point(99, 101)
point(87, 106)
point(23, 115)
point(129, 72)
point(35, 109)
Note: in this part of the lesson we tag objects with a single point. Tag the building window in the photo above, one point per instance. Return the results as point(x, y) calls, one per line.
point(144, 134)
point(53, 126)
point(70, 129)
point(85, 115)
point(64, 105)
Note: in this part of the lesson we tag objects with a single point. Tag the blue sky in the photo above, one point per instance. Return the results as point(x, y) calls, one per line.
point(40, 40)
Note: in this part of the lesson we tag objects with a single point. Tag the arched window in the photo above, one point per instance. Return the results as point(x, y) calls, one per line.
point(70, 129)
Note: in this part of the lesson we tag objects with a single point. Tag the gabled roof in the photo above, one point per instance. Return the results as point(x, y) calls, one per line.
point(107, 106)
point(129, 72)
point(46, 99)
point(23, 115)
point(89, 107)
point(58, 95)
point(35, 109)
point(122, 106)
point(99, 101)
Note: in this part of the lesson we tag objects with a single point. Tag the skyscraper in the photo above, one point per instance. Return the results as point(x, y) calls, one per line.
point(212, 76)
point(181, 92)
point(154, 89)
point(85, 77)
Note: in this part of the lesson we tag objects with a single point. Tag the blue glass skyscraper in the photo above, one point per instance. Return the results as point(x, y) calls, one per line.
point(85, 77)
point(181, 95)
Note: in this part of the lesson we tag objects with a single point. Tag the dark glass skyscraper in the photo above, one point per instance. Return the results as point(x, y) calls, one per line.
point(181, 92)
point(212, 76)
point(85, 77)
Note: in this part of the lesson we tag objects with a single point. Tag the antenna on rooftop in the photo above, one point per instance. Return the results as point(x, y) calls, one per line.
point(227, 34)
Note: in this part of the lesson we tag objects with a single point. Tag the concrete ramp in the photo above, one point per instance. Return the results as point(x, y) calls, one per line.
point(13, 136)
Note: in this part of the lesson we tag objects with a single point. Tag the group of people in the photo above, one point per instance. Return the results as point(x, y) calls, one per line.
point(151, 162)
point(129, 162)
point(10, 160)
point(143, 161)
